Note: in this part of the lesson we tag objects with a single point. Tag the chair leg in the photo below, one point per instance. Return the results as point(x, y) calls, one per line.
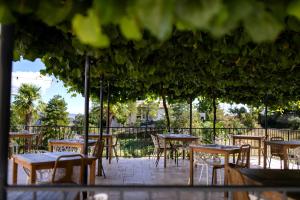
point(270, 162)
point(157, 158)
point(214, 176)
point(206, 173)
point(200, 176)
point(115, 151)
point(103, 172)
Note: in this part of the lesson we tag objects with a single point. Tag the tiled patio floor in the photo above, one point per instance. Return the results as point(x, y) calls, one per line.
point(142, 171)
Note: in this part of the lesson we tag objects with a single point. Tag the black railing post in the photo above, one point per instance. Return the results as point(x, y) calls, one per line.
point(6, 52)
point(108, 116)
point(215, 119)
point(86, 112)
point(266, 121)
point(191, 115)
point(100, 122)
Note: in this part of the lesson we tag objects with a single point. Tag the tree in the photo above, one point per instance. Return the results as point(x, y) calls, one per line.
point(56, 112)
point(24, 103)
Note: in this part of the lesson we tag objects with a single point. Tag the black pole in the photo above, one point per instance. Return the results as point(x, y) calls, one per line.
point(191, 115)
point(86, 111)
point(266, 121)
point(100, 123)
point(6, 52)
point(215, 119)
point(108, 115)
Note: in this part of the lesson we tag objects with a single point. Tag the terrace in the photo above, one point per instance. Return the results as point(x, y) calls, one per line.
point(221, 51)
point(136, 166)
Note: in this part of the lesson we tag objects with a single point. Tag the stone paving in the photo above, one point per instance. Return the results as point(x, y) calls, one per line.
point(142, 171)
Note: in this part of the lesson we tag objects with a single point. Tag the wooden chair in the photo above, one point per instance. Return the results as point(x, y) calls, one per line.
point(68, 173)
point(64, 172)
point(243, 161)
point(276, 150)
point(98, 153)
point(236, 178)
point(114, 147)
point(158, 149)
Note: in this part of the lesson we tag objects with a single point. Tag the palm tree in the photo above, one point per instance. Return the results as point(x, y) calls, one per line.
point(24, 102)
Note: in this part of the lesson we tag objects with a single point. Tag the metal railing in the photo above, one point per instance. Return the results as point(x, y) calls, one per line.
point(136, 141)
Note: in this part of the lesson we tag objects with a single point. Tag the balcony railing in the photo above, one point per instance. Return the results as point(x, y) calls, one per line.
point(136, 141)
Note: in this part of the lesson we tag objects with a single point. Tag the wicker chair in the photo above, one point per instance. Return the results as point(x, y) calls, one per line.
point(276, 150)
point(294, 157)
point(158, 149)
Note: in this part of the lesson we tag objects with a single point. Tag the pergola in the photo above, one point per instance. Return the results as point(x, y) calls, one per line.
point(172, 49)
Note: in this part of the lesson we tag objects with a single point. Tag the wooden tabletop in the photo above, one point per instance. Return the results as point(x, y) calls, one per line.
point(215, 148)
point(40, 158)
point(272, 177)
point(176, 136)
point(71, 141)
point(21, 134)
point(291, 143)
point(248, 137)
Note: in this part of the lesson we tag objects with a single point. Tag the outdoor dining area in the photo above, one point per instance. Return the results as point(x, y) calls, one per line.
point(197, 53)
point(177, 159)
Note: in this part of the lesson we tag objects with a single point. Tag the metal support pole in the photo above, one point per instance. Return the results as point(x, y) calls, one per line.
point(100, 123)
point(108, 116)
point(215, 119)
point(6, 52)
point(86, 112)
point(191, 115)
point(266, 121)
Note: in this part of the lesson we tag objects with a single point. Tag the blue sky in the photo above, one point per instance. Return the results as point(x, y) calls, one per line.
point(25, 71)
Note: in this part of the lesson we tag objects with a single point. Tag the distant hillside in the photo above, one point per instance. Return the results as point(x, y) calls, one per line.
point(72, 116)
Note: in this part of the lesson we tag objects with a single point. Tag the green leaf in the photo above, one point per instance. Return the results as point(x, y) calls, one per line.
point(262, 26)
point(109, 11)
point(6, 16)
point(197, 13)
point(88, 30)
point(54, 12)
point(156, 16)
point(130, 28)
point(294, 8)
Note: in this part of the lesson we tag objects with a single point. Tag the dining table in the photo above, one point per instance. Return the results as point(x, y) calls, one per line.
point(273, 178)
point(109, 141)
point(285, 145)
point(65, 144)
point(169, 137)
point(224, 150)
point(41, 161)
point(258, 138)
point(28, 138)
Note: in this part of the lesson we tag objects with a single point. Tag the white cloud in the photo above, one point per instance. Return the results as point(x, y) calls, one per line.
point(35, 78)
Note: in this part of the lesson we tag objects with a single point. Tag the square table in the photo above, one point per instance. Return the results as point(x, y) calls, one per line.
point(70, 143)
point(212, 149)
point(285, 145)
point(105, 136)
point(38, 161)
point(24, 135)
point(174, 137)
point(258, 138)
